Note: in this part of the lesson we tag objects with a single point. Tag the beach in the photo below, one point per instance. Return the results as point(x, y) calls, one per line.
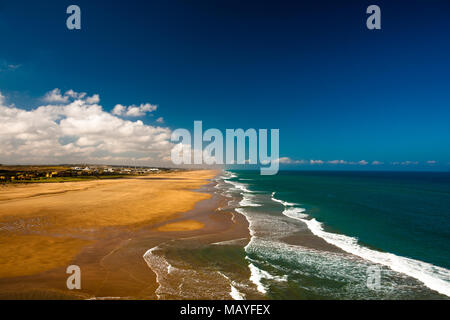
point(208, 234)
point(103, 226)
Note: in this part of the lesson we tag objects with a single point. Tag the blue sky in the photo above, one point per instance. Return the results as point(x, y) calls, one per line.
point(336, 90)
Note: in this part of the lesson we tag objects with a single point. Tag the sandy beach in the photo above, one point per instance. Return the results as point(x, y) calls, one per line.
point(103, 226)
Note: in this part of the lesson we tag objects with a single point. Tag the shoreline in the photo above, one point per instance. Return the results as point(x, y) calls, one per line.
point(312, 235)
point(112, 263)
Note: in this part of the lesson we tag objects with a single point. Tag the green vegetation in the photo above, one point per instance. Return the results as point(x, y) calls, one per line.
point(52, 174)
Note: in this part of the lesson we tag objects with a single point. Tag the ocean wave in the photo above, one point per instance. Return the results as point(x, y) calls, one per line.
point(284, 203)
point(183, 281)
point(257, 274)
point(247, 201)
point(238, 186)
point(228, 175)
point(295, 213)
point(433, 277)
point(157, 264)
point(234, 292)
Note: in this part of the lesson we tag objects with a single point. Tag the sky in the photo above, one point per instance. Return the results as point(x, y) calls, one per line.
point(342, 96)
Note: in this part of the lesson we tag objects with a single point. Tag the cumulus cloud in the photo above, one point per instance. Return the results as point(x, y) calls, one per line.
point(4, 66)
point(55, 96)
point(407, 163)
point(287, 160)
point(160, 120)
point(362, 162)
point(75, 128)
point(14, 66)
point(133, 110)
point(337, 162)
point(73, 94)
point(93, 100)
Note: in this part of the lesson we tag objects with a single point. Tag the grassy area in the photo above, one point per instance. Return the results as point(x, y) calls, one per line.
point(16, 174)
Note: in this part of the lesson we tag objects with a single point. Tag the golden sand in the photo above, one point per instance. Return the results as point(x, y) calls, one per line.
point(26, 255)
point(44, 226)
point(185, 225)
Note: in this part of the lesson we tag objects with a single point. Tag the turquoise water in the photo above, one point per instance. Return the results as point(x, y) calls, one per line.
point(367, 214)
point(407, 213)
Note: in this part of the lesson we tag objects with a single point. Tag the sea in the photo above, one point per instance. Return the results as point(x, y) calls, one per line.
point(320, 235)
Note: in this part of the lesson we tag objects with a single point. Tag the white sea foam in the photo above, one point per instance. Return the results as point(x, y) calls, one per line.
point(238, 186)
point(267, 234)
point(250, 222)
point(234, 292)
point(228, 175)
point(284, 203)
point(247, 201)
point(257, 274)
point(434, 277)
point(156, 263)
point(183, 281)
point(295, 213)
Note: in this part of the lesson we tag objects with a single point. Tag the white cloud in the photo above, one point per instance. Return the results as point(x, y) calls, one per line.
point(4, 66)
point(76, 131)
point(287, 160)
point(94, 99)
point(160, 120)
point(118, 109)
point(133, 110)
point(337, 162)
point(75, 95)
point(55, 96)
point(407, 163)
point(431, 162)
point(14, 66)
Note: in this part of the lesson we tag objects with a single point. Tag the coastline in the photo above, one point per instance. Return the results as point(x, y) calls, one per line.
point(284, 234)
point(203, 227)
point(113, 239)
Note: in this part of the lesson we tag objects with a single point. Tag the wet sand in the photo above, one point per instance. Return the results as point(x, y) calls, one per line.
point(105, 227)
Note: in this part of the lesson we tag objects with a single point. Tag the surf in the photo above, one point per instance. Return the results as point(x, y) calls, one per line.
point(434, 277)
